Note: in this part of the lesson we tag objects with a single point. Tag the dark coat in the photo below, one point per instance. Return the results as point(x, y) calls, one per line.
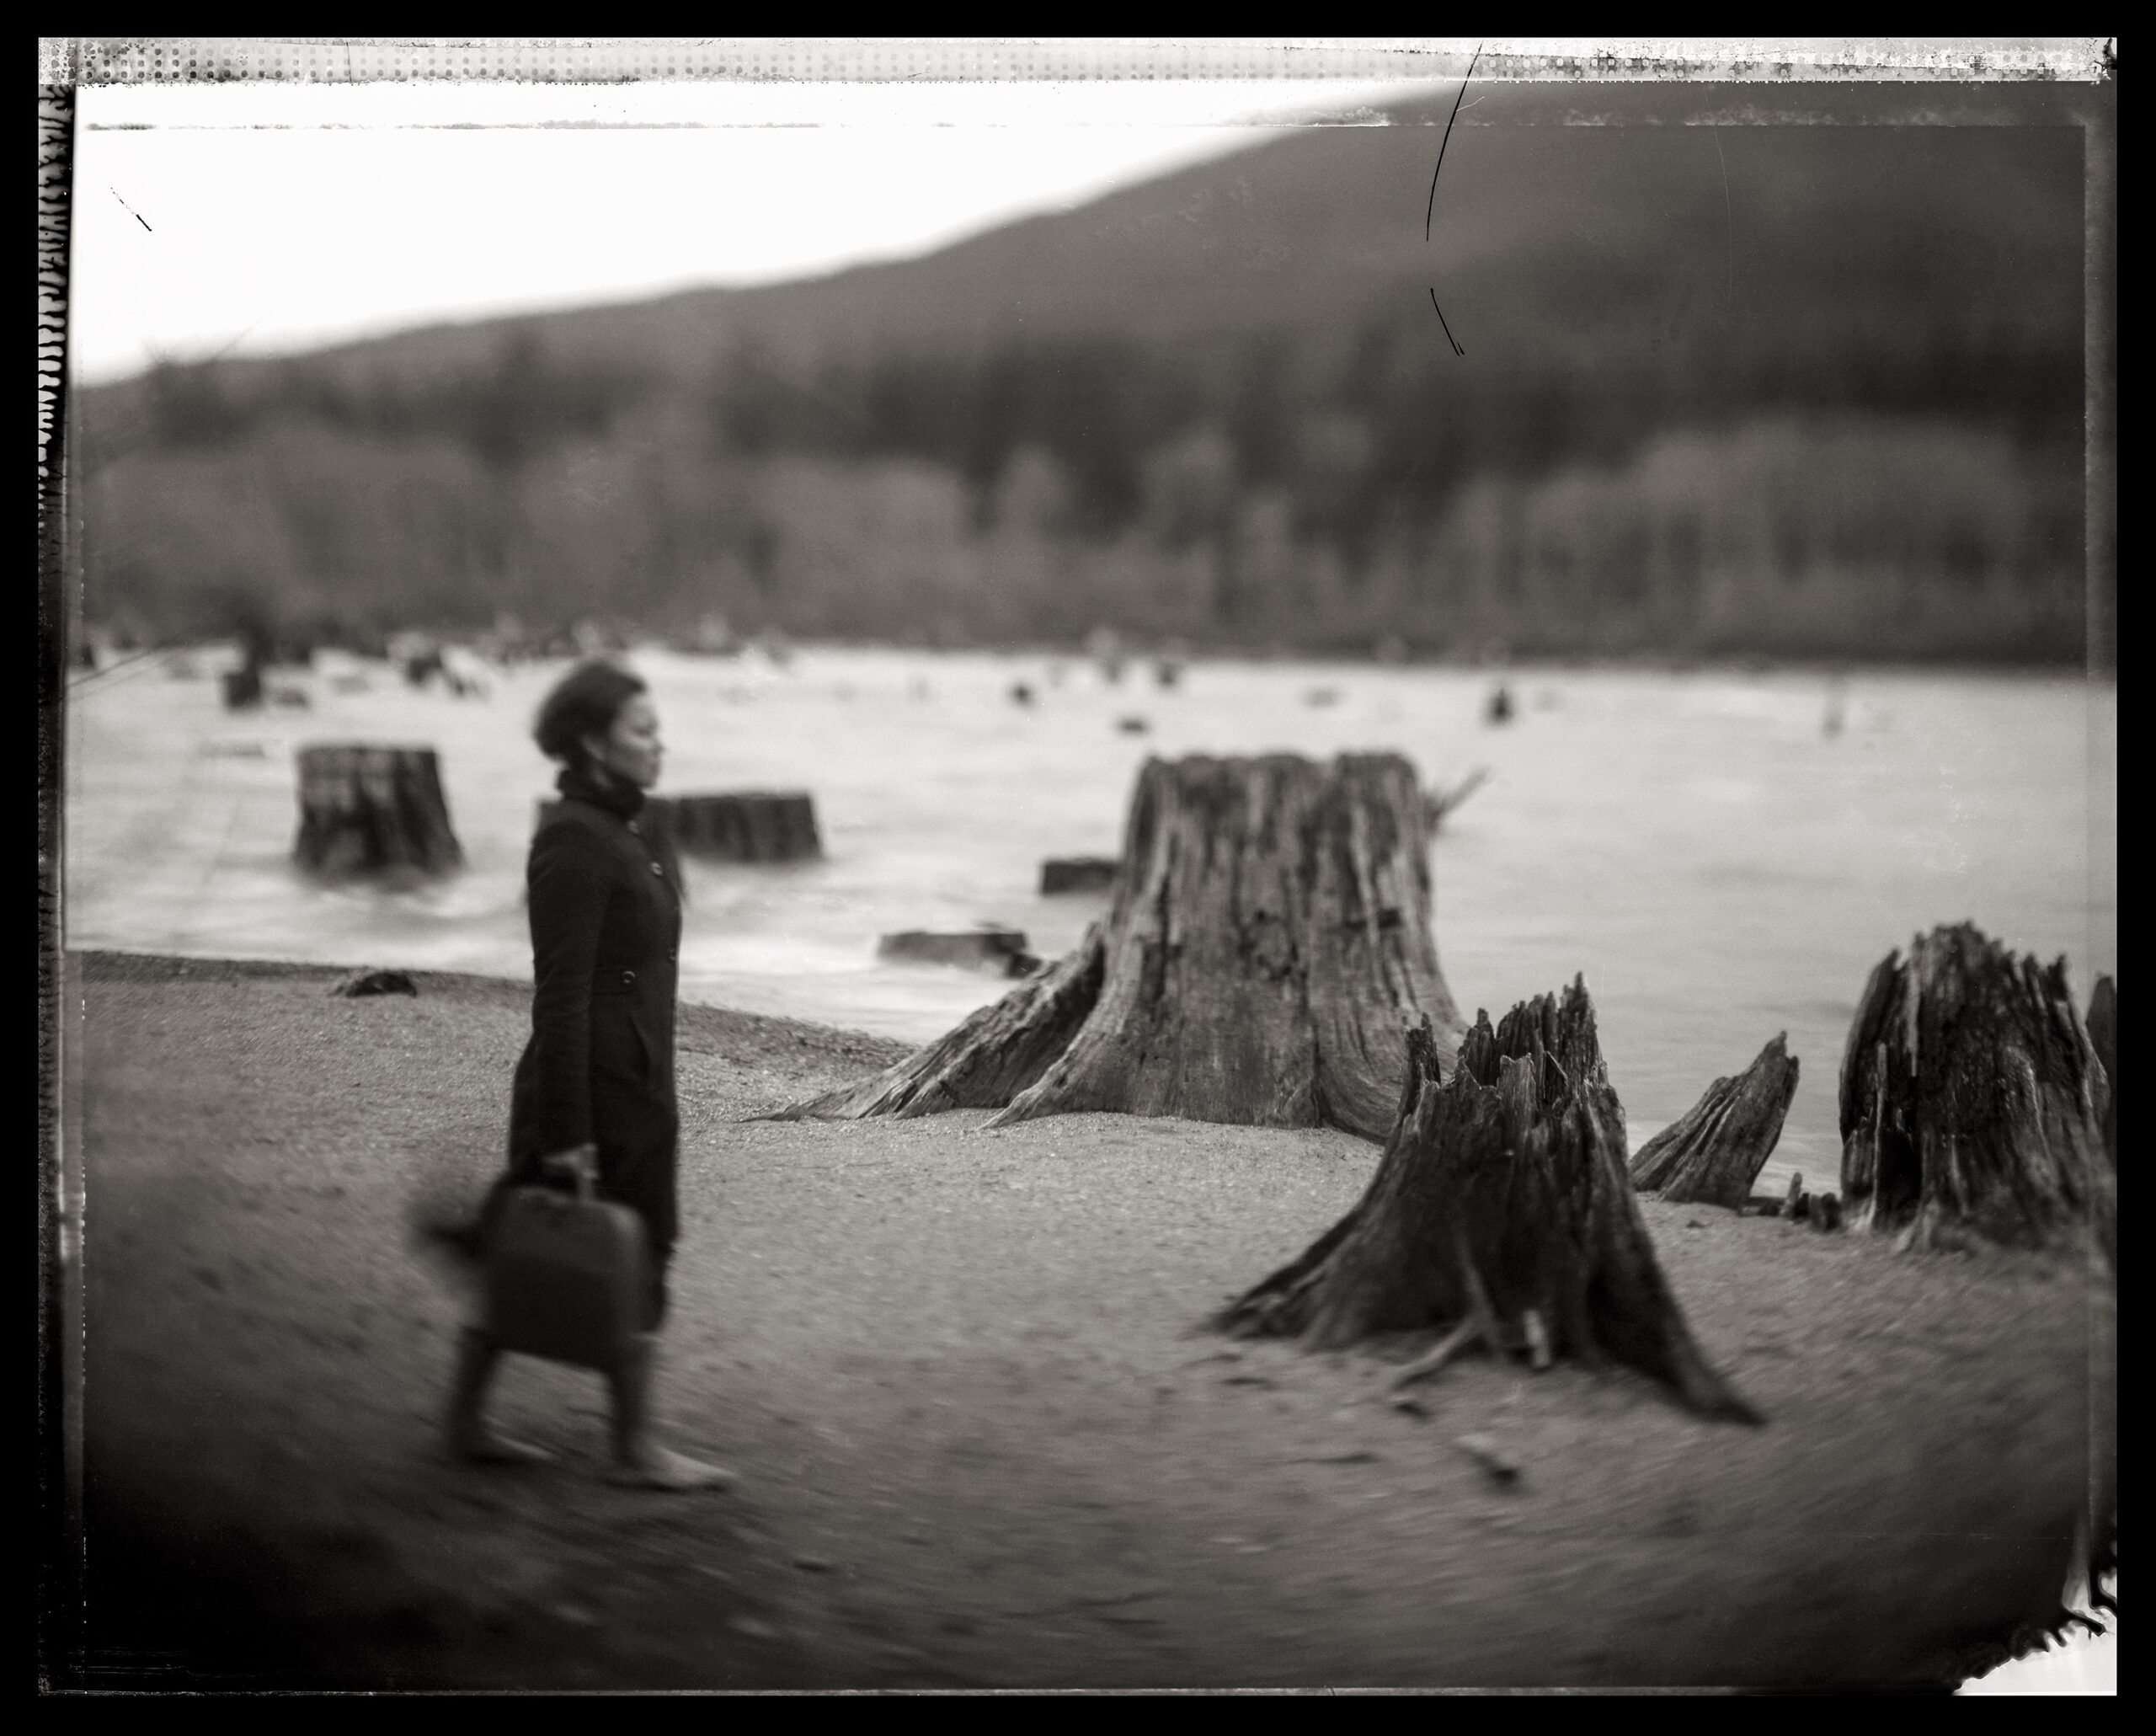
point(605, 906)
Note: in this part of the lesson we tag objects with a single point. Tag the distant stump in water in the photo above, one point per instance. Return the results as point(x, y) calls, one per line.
point(1503, 1211)
point(1713, 1153)
point(241, 688)
point(1973, 1102)
point(1077, 874)
point(364, 809)
point(746, 825)
point(1002, 950)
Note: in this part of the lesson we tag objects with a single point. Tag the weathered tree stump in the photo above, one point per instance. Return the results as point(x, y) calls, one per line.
point(1002, 950)
point(1501, 1206)
point(2104, 1038)
point(1712, 1154)
point(364, 809)
point(748, 825)
point(1268, 938)
point(1972, 1101)
point(1077, 874)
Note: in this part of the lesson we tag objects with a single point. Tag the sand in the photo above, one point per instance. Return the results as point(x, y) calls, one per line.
point(980, 1439)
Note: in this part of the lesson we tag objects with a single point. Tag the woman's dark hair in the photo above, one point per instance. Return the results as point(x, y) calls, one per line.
point(585, 702)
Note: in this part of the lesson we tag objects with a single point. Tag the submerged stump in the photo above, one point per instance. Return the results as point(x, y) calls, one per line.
point(367, 809)
point(748, 825)
point(1268, 939)
point(1713, 1153)
point(1501, 1209)
point(1972, 1101)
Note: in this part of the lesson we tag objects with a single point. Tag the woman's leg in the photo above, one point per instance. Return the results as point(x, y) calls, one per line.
point(470, 1437)
point(639, 1461)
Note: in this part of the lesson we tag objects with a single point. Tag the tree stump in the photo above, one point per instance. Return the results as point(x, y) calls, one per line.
point(1973, 1101)
point(243, 688)
point(748, 825)
point(1077, 874)
point(1712, 1154)
point(364, 809)
point(2104, 1038)
point(1268, 939)
point(1502, 1207)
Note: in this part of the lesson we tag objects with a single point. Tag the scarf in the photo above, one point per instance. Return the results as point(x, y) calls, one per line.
point(618, 797)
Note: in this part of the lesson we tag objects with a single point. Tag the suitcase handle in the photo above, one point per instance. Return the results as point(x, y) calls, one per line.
point(577, 1160)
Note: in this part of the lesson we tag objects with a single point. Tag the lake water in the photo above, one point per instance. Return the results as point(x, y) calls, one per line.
point(1719, 865)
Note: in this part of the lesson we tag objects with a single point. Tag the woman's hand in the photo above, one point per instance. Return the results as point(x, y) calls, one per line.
point(570, 1164)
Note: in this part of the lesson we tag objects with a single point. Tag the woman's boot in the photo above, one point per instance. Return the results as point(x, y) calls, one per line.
point(470, 1438)
point(639, 1461)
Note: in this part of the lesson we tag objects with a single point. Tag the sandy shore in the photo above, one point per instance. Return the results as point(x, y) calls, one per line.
point(979, 1441)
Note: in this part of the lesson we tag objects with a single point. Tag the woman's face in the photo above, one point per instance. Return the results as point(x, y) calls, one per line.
point(631, 750)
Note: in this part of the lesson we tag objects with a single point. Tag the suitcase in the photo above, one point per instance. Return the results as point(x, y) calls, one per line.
point(567, 1275)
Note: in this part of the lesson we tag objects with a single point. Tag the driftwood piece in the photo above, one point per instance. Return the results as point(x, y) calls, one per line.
point(1077, 874)
point(1502, 1194)
point(1972, 1101)
point(366, 809)
point(1268, 938)
point(1002, 950)
point(1712, 1154)
point(2104, 1038)
point(375, 982)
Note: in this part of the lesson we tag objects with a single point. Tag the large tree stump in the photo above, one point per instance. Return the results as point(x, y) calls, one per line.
point(1972, 1101)
point(365, 809)
point(748, 825)
point(2104, 1037)
point(1268, 938)
point(1712, 1154)
point(1502, 1208)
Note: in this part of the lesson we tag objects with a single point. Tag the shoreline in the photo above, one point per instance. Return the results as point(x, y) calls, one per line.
point(982, 1440)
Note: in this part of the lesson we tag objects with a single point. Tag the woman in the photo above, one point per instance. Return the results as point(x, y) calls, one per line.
point(594, 1088)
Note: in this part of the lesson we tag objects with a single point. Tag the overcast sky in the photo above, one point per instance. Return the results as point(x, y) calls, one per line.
point(262, 218)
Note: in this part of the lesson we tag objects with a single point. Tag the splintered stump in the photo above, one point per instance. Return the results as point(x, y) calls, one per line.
point(1972, 1101)
point(1268, 937)
point(366, 809)
point(1712, 1154)
point(748, 825)
point(2104, 1037)
point(1501, 1209)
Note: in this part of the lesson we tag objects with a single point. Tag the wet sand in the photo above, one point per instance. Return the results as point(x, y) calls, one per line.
point(980, 1440)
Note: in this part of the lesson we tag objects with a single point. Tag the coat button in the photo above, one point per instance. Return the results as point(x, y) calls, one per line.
point(635, 831)
point(656, 869)
point(628, 979)
point(673, 958)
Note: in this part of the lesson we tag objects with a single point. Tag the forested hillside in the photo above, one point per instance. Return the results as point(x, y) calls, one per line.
point(1811, 390)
